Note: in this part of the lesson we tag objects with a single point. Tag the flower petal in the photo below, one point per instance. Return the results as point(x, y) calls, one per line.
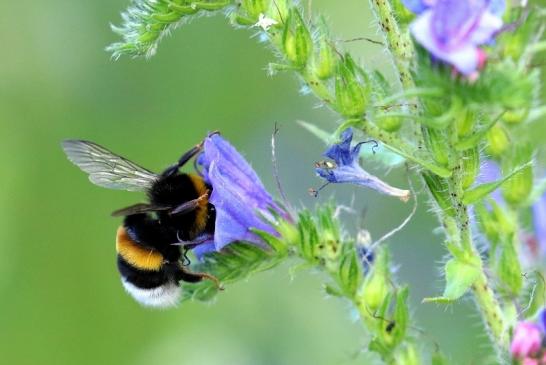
point(354, 174)
point(453, 21)
point(204, 248)
point(418, 6)
point(465, 58)
point(452, 30)
point(526, 341)
point(238, 195)
point(497, 7)
point(341, 152)
point(487, 27)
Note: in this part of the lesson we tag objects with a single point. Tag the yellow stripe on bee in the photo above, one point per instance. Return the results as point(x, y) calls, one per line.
point(201, 213)
point(136, 255)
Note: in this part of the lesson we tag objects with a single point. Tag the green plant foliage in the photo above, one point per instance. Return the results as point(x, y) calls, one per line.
point(146, 22)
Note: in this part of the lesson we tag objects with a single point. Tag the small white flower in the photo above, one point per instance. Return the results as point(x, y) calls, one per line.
point(265, 23)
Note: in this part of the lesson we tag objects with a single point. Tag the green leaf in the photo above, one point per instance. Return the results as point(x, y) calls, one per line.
point(438, 170)
point(460, 275)
point(317, 132)
point(401, 315)
point(411, 93)
point(481, 191)
point(475, 138)
point(235, 263)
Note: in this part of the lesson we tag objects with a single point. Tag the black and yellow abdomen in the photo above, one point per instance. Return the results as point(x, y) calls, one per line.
point(135, 255)
point(144, 273)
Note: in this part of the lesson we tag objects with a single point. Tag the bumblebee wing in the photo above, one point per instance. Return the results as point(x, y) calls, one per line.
point(137, 209)
point(107, 169)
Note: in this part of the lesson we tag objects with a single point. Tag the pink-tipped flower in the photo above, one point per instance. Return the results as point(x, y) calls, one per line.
point(453, 30)
point(526, 341)
point(530, 361)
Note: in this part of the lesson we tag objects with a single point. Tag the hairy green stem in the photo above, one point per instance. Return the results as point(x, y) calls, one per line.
point(458, 227)
point(398, 42)
point(491, 312)
point(487, 303)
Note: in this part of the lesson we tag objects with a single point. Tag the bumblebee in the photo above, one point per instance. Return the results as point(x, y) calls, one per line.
point(149, 245)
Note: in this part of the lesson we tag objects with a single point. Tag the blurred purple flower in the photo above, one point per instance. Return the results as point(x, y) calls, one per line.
point(347, 169)
point(452, 30)
point(418, 6)
point(539, 223)
point(490, 172)
point(526, 341)
point(496, 7)
point(238, 196)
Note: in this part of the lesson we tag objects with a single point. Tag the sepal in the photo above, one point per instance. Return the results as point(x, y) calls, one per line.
point(297, 41)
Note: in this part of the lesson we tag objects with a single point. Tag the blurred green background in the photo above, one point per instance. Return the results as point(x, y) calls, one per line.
point(62, 302)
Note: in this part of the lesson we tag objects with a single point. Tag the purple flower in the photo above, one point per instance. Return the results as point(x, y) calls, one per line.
point(526, 341)
point(238, 196)
point(539, 223)
point(347, 169)
point(418, 6)
point(490, 172)
point(452, 30)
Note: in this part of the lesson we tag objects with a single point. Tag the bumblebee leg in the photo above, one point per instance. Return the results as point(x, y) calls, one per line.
point(195, 277)
point(190, 205)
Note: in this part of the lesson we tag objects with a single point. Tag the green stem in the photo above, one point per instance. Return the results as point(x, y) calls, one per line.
point(491, 312)
point(402, 51)
point(398, 42)
point(487, 303)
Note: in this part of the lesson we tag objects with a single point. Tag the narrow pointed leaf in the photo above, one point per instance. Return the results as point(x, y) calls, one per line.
point(481, 191)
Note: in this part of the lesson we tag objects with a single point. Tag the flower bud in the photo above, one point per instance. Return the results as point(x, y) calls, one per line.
point(408, 356)
point(516, 190)
point(187, 9)
point(497, 141)
point(515, 116)
point(254, 7)
point(376, 285)
point(471, 166)
point(487, 222)
point(465, 119)
point(436, 143)
point(297, 40)
point(388, 123)
point(324, 62)
point(526, 340)
point(278, 10)
point(351, 93)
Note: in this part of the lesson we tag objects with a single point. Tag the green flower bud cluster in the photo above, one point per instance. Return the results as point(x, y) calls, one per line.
point(359, 275)
point(147, 21)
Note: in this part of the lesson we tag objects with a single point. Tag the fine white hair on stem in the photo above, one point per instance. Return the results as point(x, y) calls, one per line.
point(391, 233)
point(533, 292)
point(276, 168)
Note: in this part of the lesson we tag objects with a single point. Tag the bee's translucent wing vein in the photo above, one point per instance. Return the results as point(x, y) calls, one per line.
point(106, 169)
